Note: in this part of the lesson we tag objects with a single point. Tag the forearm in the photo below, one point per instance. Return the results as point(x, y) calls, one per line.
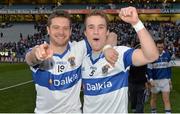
point(31, 58)
point(148, 46)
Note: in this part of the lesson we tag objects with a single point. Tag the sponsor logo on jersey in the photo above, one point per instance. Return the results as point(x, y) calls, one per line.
point(161, 65)
point(98, 86)
point(93, 68)
point(67, 80)
point(61, 63)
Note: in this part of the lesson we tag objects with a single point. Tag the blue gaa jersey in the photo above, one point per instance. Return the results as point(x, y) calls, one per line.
point(161, 68)
point(58, 81)
point(105, 87)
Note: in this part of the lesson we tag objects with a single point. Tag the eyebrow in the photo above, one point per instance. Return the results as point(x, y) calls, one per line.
point(90, 25)
point(61, 26)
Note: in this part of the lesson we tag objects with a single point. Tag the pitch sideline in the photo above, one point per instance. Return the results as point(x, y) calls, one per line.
point(9, 87)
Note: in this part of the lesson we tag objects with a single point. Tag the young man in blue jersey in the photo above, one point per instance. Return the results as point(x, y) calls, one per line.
point(159, 75)
point(105, 87)
point(56, 68)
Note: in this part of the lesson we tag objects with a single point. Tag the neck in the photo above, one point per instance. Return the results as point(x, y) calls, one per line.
point(95, 54)
point(58, 49)
point(96, 51)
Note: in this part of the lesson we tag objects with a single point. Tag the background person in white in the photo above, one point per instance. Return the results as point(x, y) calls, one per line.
point(105, 87)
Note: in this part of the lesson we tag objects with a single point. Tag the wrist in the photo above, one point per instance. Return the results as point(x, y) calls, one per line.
point(138, 26)
point(36, 60)
point(106, 47)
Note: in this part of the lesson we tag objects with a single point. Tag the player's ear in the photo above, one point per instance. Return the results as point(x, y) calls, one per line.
point(85, 33)
point(107, 33)
point(70, 30)
point(47, 29)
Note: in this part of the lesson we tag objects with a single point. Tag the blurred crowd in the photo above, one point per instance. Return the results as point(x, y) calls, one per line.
point(168, 31)
point(87, 5)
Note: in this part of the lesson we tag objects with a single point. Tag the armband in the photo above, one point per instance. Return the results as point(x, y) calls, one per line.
point(139, 26)
point(106, 47)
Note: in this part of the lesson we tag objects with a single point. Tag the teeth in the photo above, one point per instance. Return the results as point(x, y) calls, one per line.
point(59, 37)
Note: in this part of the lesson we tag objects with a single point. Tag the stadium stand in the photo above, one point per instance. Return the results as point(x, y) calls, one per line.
point(30, 20)
point(35, 33)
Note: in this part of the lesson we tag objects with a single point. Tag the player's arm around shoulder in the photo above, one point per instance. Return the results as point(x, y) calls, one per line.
point(110, 53)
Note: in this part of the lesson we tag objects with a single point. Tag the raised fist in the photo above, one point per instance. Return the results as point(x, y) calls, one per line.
point(129, 15)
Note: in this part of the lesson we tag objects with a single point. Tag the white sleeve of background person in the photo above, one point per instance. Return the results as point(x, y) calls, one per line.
point(58, 84)
point(105, 91)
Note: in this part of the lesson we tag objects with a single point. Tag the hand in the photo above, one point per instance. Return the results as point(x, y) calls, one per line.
point(111, 56)
point(129, 15)
point(43, 52)
point(152, 84)
point(112, 39)
point(147, 85)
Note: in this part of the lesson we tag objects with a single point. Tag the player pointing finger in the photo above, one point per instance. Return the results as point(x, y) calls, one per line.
point(40, 53)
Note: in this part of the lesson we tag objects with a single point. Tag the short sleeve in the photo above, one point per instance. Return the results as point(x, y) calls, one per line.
point(127, 57)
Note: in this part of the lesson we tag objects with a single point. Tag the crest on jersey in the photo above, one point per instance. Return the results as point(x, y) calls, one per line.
point(105, 69)
point(71, 60)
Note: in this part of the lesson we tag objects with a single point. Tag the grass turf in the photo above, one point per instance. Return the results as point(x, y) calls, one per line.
point(21, 99)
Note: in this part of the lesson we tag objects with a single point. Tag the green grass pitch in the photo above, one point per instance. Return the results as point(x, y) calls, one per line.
point(21, 99)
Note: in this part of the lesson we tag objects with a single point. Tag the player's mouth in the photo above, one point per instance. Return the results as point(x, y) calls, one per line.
point(96, 39)
point(60, 36)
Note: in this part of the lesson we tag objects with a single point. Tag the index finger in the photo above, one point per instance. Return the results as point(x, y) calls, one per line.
point(45, 45)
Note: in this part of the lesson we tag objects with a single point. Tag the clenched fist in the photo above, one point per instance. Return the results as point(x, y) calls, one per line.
point(129, 15)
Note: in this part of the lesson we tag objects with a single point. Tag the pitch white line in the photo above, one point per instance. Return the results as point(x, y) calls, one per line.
point(15, 85)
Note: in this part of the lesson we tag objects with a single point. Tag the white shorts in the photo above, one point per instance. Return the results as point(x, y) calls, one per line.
point(161, 85)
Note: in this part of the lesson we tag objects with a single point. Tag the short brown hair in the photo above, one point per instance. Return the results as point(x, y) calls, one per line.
point(97, 13)
point(59, 13)
point(160, 41)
